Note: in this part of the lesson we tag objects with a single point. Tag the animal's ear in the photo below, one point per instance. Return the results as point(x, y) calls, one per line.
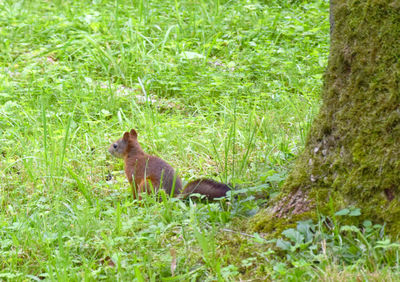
point(126, 136)
point(133, 133)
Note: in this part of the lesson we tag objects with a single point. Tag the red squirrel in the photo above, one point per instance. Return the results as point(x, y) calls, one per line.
point(146, 172)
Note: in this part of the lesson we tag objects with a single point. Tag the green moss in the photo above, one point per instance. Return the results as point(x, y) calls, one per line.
point(352, 155)
point(266, 222)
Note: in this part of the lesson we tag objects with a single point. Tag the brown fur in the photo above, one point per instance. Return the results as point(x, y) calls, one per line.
point(210, 188)
point(146, 172)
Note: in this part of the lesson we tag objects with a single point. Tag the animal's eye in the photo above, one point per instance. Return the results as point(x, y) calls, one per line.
point(115, 145)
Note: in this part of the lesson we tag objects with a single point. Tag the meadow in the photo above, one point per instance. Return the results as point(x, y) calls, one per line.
point(220, 89)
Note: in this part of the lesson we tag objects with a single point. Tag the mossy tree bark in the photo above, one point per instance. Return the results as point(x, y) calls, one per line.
point(352, 156)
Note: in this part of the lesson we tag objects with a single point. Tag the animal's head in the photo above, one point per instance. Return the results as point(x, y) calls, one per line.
point(128, 143)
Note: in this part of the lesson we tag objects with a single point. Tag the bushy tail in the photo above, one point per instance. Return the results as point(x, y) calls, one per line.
point(210, 188)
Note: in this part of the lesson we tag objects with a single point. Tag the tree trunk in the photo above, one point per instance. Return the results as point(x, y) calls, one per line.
point(352, 156)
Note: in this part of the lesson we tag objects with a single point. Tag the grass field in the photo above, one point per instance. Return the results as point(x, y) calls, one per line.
point(219, 89)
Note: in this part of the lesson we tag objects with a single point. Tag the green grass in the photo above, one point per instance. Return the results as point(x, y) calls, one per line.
point(220, 89)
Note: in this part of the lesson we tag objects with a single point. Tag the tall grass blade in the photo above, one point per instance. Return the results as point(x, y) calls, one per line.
point(82, 187)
